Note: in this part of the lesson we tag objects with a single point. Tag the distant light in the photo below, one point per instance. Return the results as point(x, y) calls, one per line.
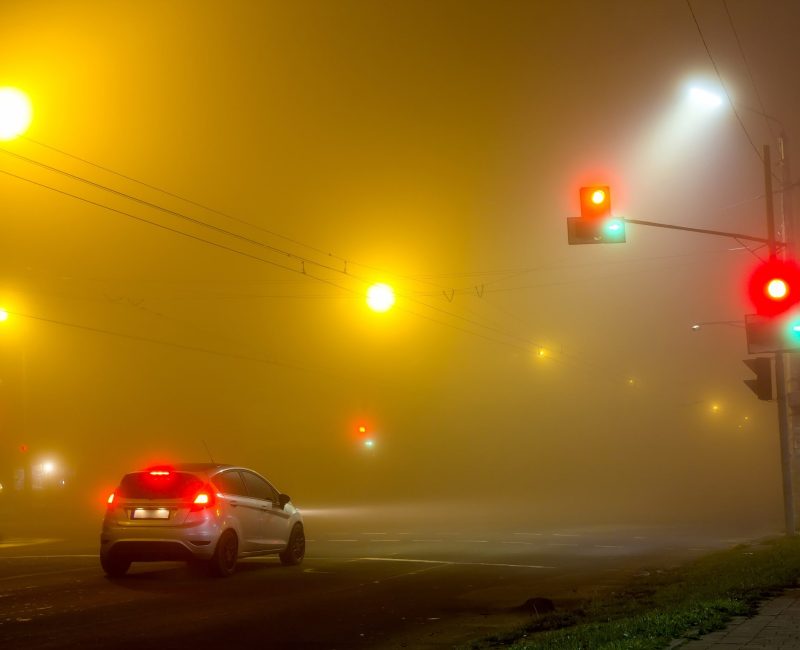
point(380, 297)
point(3, 315)
point(541, 353)
point(15, 113)
point(369, 443)
point(696, 327)
point(704, 98)
point(48, 467)
point(631, 382)
point(715, 408)
point(598, 196)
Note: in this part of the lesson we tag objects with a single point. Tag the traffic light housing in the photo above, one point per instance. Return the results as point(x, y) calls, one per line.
point(762, 384)
point(774, 287)
point(596, 225)
point(773, 334)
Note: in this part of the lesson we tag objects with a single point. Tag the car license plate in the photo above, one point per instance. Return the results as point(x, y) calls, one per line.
point(150, 513)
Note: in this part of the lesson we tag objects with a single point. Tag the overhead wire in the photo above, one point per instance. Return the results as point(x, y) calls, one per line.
point(748, 68)
point(184, 199)
point(524, 343)
point(724, 86)
point(258, 258)
point(200, 222)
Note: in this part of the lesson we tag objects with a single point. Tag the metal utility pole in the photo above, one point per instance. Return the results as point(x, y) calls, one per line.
point(780, 370)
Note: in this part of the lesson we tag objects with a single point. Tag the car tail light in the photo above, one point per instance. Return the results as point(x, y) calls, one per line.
point(203, 499)
point(110, 500)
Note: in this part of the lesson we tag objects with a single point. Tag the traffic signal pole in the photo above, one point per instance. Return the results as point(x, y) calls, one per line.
point(780, 369)
point(589, 229)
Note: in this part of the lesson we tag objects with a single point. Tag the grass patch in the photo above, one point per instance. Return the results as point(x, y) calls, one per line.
point(651, 611)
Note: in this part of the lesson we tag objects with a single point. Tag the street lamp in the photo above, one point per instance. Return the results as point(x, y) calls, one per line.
point(733, 323)
point(704, 98)
point(380, 297)
point(15, 113)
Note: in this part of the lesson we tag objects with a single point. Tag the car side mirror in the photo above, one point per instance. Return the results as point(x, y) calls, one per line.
point(283, 499)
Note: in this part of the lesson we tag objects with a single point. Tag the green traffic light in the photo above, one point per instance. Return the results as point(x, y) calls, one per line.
point(793, 331)
point(614, 229)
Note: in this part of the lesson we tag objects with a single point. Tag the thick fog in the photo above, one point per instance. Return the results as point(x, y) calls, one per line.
point(206, 191)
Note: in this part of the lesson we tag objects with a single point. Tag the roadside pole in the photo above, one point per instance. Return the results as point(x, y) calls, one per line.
point(780, 371)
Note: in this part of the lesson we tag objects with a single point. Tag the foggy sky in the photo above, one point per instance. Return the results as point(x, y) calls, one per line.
point(435, 146)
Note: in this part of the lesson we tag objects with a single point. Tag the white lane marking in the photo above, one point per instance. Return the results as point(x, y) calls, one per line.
point(28, 542)
point(44, 557)
point(566, 535)
point(46, 573)
point(383, 540)
point(427, 540)
point(450, 562)
point(374, 533)
point(557, 544)
point(475, 541)
point(525, 543)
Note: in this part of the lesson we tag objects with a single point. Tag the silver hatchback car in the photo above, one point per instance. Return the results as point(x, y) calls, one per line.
point(200, 513)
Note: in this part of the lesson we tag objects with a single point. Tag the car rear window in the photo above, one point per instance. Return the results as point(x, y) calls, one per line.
point(144, 485)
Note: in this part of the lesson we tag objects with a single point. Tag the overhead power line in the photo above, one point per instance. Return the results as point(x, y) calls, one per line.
point(722, 82)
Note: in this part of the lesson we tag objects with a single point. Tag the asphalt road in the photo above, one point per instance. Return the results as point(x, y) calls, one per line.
point(360, 586)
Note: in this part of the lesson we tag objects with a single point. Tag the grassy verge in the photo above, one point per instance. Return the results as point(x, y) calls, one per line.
point(684, 602)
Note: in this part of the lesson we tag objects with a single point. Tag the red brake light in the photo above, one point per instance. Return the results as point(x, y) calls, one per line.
point(111, 499)
point(203, 499)
point(159, 472)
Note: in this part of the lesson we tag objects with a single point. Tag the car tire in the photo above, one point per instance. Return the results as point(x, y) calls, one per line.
point(223, 562)
point(115, 567)
point(295, 549)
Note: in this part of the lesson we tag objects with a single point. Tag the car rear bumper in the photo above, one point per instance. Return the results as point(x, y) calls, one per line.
point(148, 545)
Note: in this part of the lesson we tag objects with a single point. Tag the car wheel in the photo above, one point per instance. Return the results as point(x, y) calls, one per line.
point(296, 548)
point(223, 562)
point(115, 567)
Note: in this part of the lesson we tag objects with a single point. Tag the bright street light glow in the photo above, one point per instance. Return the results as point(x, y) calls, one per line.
point(3, 315)
point(15, 113)
point(48, 467)
point(369, 443)
point(704, 98)
point(380, 297)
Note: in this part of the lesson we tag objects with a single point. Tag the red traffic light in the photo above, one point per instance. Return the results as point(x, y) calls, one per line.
point(774, 286)
point(595, 202)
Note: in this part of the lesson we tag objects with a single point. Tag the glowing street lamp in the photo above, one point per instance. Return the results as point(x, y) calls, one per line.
point(3, 315)
point(380, 297)
point(704, 98)
point(15, 113)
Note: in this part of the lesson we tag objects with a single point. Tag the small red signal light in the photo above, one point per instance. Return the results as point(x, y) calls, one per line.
point(774, 286)
point(110, 500)
point(595, 202)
